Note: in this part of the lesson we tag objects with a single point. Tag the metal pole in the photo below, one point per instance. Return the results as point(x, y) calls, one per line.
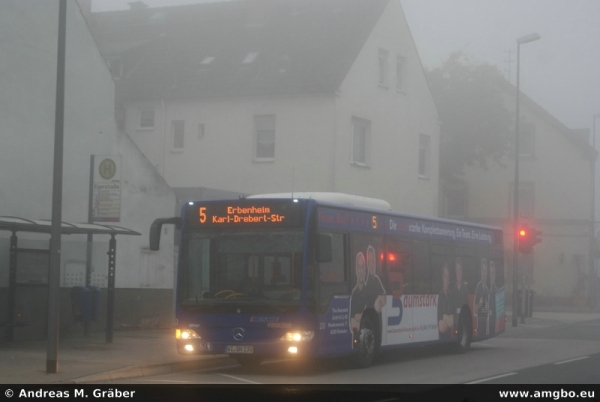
point(55, 232)
point(523, 295)
point(110, 294)
point(516, 270)
point(12, 289)
point(593, 291)
point(516, 205)
point(90, 240)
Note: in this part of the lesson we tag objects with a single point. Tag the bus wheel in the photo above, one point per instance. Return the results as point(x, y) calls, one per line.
point(367, 345)
point(248, 361)
point(464, 334)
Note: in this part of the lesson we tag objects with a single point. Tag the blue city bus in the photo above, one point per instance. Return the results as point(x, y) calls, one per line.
point(326, 274)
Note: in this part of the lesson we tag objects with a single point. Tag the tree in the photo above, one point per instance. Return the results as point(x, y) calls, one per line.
point(475, 125)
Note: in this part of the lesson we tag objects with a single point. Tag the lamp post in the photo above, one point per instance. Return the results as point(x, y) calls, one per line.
point(523, 39)
point(593, 291)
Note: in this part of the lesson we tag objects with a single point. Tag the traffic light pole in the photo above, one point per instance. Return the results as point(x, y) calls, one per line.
point(523, 298)
point(515, 272)
point(523, 39)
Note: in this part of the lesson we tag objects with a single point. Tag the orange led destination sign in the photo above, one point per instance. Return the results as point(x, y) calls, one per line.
point(242, 215)
point(221, 214)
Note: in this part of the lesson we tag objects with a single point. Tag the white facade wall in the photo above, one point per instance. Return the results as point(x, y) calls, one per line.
point(28, 82)
point(224, 157)
point(398, 118)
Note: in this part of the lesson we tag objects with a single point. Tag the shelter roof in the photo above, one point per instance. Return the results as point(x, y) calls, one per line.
point(16, 224)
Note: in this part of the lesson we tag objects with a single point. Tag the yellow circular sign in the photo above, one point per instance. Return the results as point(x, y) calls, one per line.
point(107, 169)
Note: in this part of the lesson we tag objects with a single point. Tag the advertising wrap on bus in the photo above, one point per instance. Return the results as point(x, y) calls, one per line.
point(407, 319)
point(348, 220)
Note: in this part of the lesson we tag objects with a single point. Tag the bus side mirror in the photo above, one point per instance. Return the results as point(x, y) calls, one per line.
point(324, 253)
point(156, 227)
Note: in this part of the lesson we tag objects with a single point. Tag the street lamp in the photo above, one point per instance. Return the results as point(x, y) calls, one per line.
point(523, 39)
point(593, 290)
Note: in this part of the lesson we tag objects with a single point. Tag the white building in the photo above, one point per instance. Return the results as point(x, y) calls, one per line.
point(261, 96)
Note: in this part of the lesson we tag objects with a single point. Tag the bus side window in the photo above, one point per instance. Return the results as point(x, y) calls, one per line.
point(334, 271)
point(398, 273)
point(421, 271)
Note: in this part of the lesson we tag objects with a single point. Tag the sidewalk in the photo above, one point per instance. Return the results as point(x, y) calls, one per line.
point(545, 319)
point(82, 360)
point(138, 353)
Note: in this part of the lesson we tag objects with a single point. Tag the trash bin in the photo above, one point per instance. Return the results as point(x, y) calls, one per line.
point(95, 302)
point(81, 303)
point(530, 303)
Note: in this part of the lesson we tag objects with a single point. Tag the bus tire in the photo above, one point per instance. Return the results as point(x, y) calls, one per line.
point(367, 345)
point(463, 341)
point(248, 361)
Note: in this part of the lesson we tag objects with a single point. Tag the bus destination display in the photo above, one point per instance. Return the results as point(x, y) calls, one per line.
point(277, 214)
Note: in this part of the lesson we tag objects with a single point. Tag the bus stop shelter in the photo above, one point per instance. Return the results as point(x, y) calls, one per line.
point(15, 225)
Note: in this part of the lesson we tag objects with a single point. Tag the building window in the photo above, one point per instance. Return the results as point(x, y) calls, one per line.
point(361, 131)
point(178, 128)
point(400, 74)
point(264, 138)
point(250, 57)
point(384, 73)
point(206, 61)
point(424, 156)
point(456, 196)
point(146, 119)
point(526, 138)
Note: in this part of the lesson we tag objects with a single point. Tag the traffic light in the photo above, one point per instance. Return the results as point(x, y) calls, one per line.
point(524, 235)
point(528, 237)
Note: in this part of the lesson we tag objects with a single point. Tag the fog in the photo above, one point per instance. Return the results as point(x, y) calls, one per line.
point(166, 112)
point(560, 72)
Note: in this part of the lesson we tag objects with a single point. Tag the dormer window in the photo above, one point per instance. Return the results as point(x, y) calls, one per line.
point(207, 60)
point(250, 57)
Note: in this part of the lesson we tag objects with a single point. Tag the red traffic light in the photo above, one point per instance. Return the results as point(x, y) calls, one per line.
point(527, 238)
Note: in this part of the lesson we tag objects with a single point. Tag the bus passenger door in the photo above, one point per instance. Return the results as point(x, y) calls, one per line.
point(397, 318)
point(332, 275)
point(334, 300)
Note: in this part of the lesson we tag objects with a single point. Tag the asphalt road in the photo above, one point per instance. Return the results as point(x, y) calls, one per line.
point(577, 369)
point(559, 354)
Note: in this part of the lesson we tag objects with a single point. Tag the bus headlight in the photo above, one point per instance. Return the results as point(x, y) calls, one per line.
point(186, 334)
point(298, 336)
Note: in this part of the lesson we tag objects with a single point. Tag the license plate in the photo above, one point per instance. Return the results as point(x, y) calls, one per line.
point(240, 349)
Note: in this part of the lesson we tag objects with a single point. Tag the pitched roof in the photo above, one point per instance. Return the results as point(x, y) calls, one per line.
point(234, 48)
point(579, 137)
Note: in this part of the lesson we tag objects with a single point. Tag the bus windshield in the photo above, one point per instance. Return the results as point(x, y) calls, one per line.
point(251, 271)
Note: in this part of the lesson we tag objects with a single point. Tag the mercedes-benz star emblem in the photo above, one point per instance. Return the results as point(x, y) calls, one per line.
point(238, 333)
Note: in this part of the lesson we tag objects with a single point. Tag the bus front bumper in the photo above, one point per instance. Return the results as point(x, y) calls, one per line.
point(290, 345)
